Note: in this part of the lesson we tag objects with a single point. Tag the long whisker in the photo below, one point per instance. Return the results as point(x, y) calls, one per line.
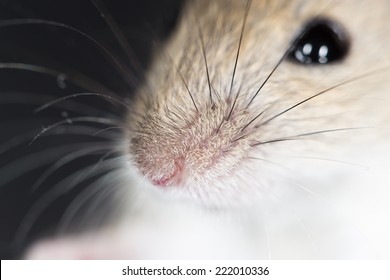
point(68, 158)
point(269, 75)
point(307, 190)
point(109, 128)
point(106, 15)
point(122, 69)
point(17, 140)
point(205, 61)
point(268, 240)
point(335, 160)
point(252, 120)
point(284, 56)
point(335, 130)
point(93, 168)
point(269, 161)
point(248, 4)
point(184, 82)
point(77, 78)
point(51, 103)
point(354, 79)
point(72, 120)
point(295, 137)
point(289, 207)
point(292, 211)
point(89, 192)
point(58, 190)
point(38, 99)
point(33, 161)
point(98, 188)
point(26, 137)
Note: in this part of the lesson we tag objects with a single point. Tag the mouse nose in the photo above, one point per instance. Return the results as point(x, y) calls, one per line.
point(172, 177)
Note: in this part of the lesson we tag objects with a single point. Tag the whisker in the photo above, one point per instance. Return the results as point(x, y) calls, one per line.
point(268, 240)
point(307, 190)
point(118, 34)
point(338, 129)
point(122, 69)
point(289, 49)
point(292, 211)
point(97, 192)
point(99, 185)
point(216, 93)
point(286, 168)
point(48, 104)
point(335, 160)
point(78, 78)
point(266, 231)
point(269, 161)
point(354, 79)
point(106, 155)
point(116, 195)
point(109, 128)
point(50, 196)
point(33, 161)
point(38, 99)
point(272, 141)
point(184, 82)
point(98, 120)
point(251, 121)
point(248, 4)
point(95, 167)
point(294, 137)
point(26, 137)
point(17, 140)
point(91, 148)
point(205, 61)
point(270, 74)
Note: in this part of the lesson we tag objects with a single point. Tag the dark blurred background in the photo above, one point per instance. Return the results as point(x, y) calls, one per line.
point(76, 57)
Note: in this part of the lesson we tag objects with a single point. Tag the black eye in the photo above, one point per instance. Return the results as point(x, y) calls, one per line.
point(322, 41)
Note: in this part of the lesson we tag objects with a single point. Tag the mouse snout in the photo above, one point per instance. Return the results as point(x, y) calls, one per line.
point(171, 177)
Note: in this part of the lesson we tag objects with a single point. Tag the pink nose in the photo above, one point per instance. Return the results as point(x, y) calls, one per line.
point(173, 177)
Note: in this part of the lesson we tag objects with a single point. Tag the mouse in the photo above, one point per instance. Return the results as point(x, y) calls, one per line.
point(260, 132)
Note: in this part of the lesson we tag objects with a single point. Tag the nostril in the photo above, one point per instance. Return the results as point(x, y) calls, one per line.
point(174, 176)
point(163, 182)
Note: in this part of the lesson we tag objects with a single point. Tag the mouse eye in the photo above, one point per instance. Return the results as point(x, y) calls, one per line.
point(322, 41)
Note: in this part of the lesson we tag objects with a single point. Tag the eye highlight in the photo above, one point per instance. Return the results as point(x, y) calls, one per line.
point(322, 41)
